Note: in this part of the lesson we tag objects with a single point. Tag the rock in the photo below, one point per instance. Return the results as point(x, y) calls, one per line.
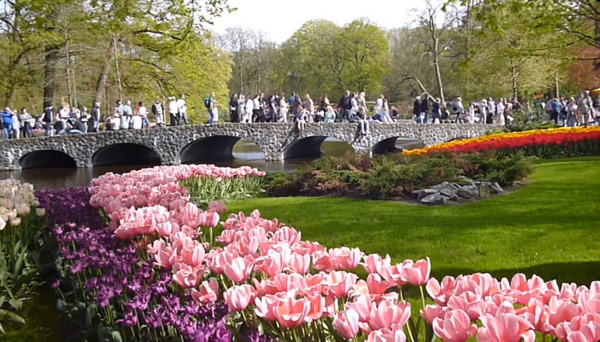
point(420, 194)
point(468, 192)
point(487, 189)
point(497, 188)
point(434, 199)
point(450, 193)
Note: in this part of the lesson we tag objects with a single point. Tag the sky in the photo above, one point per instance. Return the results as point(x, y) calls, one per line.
point(279, 19)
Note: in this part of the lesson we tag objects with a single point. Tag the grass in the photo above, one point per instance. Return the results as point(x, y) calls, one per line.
point(550, 228)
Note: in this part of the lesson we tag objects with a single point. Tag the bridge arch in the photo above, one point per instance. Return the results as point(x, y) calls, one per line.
point(311, 147)
point(46, 159)
point(396, 144)
point(125, 154)
point(213, 148)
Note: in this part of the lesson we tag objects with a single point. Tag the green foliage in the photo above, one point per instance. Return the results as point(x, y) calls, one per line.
point(19, 246)
point(395, 176)
point(206, 189)
point(323, 58)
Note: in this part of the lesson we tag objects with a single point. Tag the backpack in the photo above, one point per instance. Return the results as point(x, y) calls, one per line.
point(207, 102)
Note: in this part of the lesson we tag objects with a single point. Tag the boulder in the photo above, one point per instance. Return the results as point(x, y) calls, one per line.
point(434, 199)
point(497, 188)
point(487, 189)
point(468, 191)
point(420, 194)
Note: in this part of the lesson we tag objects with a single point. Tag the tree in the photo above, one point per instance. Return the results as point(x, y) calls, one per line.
point(323, 58)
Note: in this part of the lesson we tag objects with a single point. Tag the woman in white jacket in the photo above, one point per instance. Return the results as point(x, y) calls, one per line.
point(249, 108)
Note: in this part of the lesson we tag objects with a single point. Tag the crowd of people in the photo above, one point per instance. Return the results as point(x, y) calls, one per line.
point(351, 107)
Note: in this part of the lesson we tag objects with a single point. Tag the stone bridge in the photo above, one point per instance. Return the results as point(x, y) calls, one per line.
point(187, 144)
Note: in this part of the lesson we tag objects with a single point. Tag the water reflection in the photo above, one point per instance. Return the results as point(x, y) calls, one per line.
point(244, 153)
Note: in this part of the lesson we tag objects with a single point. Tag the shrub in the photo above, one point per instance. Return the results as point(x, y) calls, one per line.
point(394, 176)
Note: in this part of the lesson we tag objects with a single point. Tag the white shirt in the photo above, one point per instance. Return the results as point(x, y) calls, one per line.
point(181, 105)
point(249, 106)
point(143, 111)
point(173, 107)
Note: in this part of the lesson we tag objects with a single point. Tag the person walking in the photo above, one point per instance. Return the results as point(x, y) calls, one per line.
point(95, 118)
point(460, 110)
point(158, 110)
point(571, 120)
point(233, 109)
point(182, 106)
point(25, 120)
point(385, 111)
point(142, 113)
point(173, 112)
point(417, 109)
point(346, 106)
point(47, 119)
point(210, 105)
point(585, 107)
point(126, 116)
point(424, 109)
point(283, 109)
point(7, 123)
point(436, 112)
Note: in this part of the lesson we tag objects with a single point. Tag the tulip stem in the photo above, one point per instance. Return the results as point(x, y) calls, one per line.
point(410, 335)
point(422, 297)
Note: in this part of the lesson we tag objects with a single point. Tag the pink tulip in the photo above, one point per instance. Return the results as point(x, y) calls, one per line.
point(299, 263)
point(505, 327)
point(362, 305)
point(290, 312)
point(218, 206)
point(346, 323)
point(237, 270)
point(418, 273)
point(339, 283)
point(387, 335)
point(209, 290)
point(387, 315)
point(393, 273)
point(238, 297)
point(265, 307)
point(193, 255)
point(432, 312)
point(317, 308)
point(374, 263)
point(454, 327)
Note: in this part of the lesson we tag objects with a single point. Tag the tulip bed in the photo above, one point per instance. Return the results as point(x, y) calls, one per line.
point(156, 272)
point(21, 223)
point(546, 143)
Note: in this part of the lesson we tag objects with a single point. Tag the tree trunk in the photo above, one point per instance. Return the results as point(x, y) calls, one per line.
point(119, 87)
point(438, 74)
point(101, 84)
point(557, 87)
point(515, 85)
point(51, 60)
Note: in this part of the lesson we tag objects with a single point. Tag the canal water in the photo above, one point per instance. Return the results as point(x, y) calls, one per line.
point(244, 153)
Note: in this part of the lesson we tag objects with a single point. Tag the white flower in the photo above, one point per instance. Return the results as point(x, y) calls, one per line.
point(2, 224)
point(15, 221)
point(23, 209)
point(40, 211)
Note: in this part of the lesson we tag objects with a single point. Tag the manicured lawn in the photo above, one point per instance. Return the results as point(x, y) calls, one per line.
point(550, 228)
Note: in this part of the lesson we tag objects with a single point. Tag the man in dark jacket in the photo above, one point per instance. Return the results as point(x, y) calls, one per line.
point(346, 105)
point(48, 118)
point(424, 109)
point(417, 109)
